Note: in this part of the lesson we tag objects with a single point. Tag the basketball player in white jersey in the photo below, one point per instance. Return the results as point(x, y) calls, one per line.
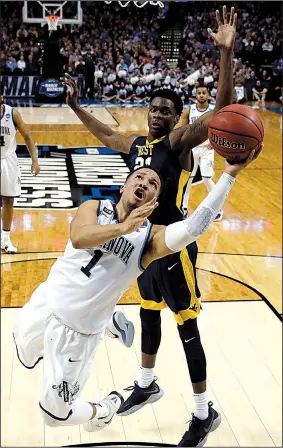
point(10, 171)
point(204, 153)
point(66, 317)
point(241, 91)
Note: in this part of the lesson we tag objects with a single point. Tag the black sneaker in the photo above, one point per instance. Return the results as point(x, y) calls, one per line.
point(140, 397)
point(199, 429)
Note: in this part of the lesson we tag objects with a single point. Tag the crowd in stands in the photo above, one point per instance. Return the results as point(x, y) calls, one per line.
point(116, 52)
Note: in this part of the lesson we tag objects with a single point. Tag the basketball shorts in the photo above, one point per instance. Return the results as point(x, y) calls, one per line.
point(204, 159)
point(10, 176)
point(67, 355)
point(171, 282)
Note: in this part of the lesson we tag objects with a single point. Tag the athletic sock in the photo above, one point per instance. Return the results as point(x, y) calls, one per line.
point(201, 406)
point(146, 377)
point(5, 234)
point(82, 412)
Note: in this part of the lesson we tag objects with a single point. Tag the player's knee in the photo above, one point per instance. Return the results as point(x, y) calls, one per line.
point(50, 421)
point(8, 202)
point(151, 331)
point(189, 329)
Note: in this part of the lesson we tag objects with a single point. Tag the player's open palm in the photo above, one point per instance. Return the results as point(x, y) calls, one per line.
point(72, 90)
point(225, 36)
point(138, 216)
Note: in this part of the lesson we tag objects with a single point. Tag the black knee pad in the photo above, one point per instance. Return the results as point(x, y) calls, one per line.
point(195, 355)
point(151, 331)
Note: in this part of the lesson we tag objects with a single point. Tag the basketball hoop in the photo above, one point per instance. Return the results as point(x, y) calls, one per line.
point(52, 22)
point(139, 4)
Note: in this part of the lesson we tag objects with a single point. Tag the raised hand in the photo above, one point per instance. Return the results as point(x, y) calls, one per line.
point(72, 90)
point(225, 36)
point(236, 168)
point(138, 216)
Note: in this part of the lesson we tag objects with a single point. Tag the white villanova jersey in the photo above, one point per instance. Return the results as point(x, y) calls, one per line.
point(84, 285)
point(195, 114)
point(8, 133)
point(240, 92)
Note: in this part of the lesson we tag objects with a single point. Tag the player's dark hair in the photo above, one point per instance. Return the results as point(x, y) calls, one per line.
point(148, 168)
point(2, 88)
point(169, 95)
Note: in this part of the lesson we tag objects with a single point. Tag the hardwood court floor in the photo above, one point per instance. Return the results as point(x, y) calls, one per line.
point(239, 265)
point(243, 346)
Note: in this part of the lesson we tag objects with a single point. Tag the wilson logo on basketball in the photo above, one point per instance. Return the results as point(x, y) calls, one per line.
point(226, 144)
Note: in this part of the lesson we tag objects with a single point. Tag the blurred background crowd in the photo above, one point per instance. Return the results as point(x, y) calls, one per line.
point(116, 53)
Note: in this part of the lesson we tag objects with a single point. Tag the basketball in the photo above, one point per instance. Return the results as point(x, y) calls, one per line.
point(235, 131)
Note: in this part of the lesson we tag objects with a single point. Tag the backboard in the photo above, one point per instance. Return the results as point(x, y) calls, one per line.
point(68, 11)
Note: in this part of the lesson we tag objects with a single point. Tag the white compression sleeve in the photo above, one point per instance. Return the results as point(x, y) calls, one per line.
point(182, 233)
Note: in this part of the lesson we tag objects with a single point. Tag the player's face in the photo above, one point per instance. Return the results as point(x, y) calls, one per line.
point(162, 117)
point(202, 95)
point(141, 187)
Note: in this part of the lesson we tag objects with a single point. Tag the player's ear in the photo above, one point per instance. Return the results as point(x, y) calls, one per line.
point(177, 119)
point(121, 189)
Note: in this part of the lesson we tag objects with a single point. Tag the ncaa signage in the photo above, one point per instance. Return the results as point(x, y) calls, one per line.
point(51, 87)
point(70, 176)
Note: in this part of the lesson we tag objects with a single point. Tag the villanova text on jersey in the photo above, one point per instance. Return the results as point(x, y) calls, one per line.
point(5, 130)
point(121, 247)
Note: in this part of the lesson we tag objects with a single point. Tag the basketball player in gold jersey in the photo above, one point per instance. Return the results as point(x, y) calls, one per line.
point(172, 281)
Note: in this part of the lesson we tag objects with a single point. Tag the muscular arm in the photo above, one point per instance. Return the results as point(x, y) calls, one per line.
point(189, 136)
point(86, 233)
point(104, 133)
point(25, 133)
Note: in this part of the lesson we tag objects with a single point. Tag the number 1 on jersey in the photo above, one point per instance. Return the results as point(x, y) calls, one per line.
point(95, 259)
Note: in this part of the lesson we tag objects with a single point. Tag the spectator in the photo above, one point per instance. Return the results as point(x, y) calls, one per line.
point(267, 46)
point(11, 64)
point(259, 92)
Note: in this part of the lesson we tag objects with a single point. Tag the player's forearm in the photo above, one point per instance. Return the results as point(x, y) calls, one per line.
point(100, 130)
point(182, 233)
point(31, 147)
point(225, 89)
point(89, 236)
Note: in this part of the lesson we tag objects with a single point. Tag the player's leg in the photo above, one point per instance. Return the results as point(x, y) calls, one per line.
point(182, 295)
point(119, 327)
point(29, 329)
point(207, 172)
point(145, 389)
point(68, 360)
point(10, 188)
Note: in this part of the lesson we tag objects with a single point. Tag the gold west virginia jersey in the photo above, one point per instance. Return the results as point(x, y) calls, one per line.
point(159, 155)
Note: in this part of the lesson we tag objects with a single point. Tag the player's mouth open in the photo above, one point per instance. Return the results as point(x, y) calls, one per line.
point(139, 193)
point(156, 124)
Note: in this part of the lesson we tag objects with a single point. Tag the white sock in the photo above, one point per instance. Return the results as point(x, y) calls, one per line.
point(201, 406)
point(208, 182)
point(82, 412)
point(5, 234)
point(146, 377)
point(101, 410)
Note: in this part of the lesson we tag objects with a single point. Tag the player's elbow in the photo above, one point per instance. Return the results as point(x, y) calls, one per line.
point(76, 242)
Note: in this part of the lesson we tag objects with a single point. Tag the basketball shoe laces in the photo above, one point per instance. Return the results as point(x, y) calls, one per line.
point(130, 388)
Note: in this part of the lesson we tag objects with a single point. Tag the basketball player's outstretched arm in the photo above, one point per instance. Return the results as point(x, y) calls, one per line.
point(104, 133)
point(175, 237)
point(86, 233)
point(190, 136)
point(25, 133)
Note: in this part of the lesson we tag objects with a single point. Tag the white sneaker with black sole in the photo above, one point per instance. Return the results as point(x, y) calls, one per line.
point(121, 328)
point(8, 247)
point(140, 397)
point(113, 402)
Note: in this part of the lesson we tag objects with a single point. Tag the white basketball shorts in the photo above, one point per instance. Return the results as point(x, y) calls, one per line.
point(10, 176)
point(67, 355)
point(204, 158)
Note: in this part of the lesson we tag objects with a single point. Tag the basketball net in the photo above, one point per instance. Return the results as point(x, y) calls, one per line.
point(52, 22)
point(139, 4)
